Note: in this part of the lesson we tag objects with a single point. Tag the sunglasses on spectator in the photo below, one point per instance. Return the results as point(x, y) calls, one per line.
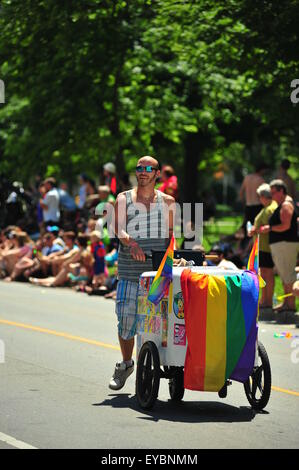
point(147, 169)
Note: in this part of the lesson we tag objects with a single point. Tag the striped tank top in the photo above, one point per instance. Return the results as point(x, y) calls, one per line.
point(149, 229)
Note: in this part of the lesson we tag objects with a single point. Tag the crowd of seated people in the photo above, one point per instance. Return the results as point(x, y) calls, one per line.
point(60, 258)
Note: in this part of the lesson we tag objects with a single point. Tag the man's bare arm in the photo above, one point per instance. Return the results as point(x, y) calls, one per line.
point(286, 213)
point(120, 225)
point(171, 208)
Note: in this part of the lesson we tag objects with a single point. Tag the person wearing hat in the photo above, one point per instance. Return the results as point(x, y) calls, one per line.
point(109, 171)
point(50, 203)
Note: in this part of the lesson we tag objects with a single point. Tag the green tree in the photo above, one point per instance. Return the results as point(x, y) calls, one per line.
point(197, 83)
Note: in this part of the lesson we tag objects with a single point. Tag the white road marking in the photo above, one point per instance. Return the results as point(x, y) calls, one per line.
point(14, 442)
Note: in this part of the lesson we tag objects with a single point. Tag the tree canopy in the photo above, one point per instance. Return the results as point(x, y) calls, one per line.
point(196, 83)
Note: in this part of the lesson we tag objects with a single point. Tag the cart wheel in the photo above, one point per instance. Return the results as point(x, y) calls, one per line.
point(176, 385)
point(258, 385)
point(148, 375)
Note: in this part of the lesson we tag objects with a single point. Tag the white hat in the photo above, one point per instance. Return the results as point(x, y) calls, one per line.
point(110, 167)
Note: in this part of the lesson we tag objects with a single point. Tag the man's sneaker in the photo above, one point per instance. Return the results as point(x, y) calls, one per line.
point(121, 373)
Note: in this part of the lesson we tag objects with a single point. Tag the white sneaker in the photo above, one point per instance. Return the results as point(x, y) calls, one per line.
point(121, 373)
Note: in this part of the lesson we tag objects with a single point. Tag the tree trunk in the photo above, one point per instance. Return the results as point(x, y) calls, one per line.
point(195, 145)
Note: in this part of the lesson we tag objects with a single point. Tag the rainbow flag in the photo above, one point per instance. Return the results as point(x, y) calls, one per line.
point(221, 328)
point(163, 277)
point(253, 260)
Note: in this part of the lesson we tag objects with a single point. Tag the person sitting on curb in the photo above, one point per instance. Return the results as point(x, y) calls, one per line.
point(69, 266)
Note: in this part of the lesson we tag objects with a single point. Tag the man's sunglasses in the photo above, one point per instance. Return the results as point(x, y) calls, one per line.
point(147, 169)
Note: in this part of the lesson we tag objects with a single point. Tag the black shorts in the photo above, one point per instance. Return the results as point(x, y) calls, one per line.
point(265, 260)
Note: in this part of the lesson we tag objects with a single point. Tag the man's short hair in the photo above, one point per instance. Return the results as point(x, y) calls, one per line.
point(279, 185)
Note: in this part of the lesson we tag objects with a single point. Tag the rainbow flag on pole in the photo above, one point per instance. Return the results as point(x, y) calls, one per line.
point(253, 260)
point(221, 328)
point(163, 277)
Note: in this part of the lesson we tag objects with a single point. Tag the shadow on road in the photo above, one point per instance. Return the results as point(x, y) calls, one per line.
point(185, 412)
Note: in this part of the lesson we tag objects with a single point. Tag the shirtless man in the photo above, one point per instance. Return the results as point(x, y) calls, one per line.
point(284, 176)
point(248, 192)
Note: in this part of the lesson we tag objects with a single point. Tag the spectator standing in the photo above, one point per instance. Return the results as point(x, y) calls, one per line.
point(283, 175)
point(249, 195)
point(169, 182)
point(68, 207)
point(265, 258)
point(66, 200)
point(109, 172)
point(284, 241)
point(50, 203)
point(82, 190)
point(90, 186)
point(39, 210)
point(87, 187)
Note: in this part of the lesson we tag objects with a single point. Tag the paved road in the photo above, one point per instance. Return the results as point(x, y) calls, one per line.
point(60, 351)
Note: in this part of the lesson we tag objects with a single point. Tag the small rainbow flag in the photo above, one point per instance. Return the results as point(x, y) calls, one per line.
point(163, 277)
point(253, 260)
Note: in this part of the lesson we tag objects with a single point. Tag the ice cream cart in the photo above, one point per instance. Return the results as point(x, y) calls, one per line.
point(163, 343)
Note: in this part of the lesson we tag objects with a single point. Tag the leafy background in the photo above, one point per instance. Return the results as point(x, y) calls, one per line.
point(202, 85)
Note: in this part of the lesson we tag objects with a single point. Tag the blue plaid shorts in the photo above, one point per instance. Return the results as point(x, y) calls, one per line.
point(126, 308)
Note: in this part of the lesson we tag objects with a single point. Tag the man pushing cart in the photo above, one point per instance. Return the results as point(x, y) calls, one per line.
point(199, 324)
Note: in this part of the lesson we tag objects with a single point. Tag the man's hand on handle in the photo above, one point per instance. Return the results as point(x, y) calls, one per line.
point(136, 252)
